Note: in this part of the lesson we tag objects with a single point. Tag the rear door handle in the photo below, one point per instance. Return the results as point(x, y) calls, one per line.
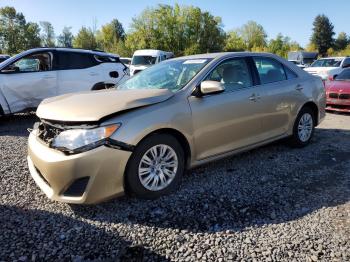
point(254, 97)
point(93, 74)
point(48, 77)
point(299, 87)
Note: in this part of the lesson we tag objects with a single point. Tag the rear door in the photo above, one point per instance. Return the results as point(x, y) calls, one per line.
point(29, 80)
point(78, 71)
point(278, 93)
point(229, 120)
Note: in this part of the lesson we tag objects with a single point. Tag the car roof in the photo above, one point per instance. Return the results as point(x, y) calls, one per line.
point(150, 52)
point(333, 57)
point(225, 54)
point(80, 50)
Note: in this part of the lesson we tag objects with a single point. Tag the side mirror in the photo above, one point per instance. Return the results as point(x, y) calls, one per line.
point(331, 78)
point(346, 65)
point(11, 69)
point(210, 87)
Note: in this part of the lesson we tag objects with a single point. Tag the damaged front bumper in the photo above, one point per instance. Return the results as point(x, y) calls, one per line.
point(84, 178)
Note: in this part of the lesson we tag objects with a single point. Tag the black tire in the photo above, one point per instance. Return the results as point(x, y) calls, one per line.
point(295, 140)
point(133, 183)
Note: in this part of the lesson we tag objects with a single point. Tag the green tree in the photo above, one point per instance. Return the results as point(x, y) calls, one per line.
point(281, 45)
point(253, 34)
point(85, 39)
point(109, 36)
point(32, 36)
point(179, 29)
point(322, 36)
point(341, 42)
point(234, 42)
point(65, 39)
point(48, 34)
point(12, 30)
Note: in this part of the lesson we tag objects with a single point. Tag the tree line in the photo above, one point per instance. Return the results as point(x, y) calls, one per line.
point(184, 30)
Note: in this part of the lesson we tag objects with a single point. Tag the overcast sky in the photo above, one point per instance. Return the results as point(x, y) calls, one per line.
point(289, 17)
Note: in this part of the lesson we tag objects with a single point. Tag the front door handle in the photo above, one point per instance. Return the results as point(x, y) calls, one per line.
point(299, 87)
point(93, 74)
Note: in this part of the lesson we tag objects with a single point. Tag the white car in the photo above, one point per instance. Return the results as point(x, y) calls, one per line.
point(145, 58)
point(329, 66)
point(126, 61)
point(29, 77)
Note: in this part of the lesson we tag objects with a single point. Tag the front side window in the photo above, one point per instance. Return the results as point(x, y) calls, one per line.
point(269, 70)
point(344, 75)
point(171, 74)
point(233, 74)
point(143, 60)
point(346, 62)
point(38, 62)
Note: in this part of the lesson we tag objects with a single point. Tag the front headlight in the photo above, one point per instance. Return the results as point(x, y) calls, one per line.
point(74, 139)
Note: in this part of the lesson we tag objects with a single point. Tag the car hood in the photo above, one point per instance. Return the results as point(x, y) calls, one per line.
point(338, 86)
point(91, 106)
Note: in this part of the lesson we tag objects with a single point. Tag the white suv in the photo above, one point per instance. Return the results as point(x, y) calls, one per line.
point(29, 77)
point(329, 66)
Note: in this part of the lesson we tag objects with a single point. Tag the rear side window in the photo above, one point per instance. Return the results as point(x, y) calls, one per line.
point(290, 74)
point(270, 70)
point(72, 60)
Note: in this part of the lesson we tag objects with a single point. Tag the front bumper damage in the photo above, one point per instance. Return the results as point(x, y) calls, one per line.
point(83, 178)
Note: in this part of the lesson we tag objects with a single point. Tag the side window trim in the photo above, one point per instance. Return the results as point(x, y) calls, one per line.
point(254, 71)
point(285, 72)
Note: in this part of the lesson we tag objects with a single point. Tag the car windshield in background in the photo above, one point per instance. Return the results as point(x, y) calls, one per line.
point(308, 61)
point(143, 60)
point(326, 63)
point(172, 75)
point(344, 75)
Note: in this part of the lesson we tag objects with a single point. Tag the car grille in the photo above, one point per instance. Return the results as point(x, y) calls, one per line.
point(47, 132)
point(344, 96)
point(339, 96)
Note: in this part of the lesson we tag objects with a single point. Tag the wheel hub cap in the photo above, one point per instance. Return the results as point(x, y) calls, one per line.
point(158, 167)
point(305, 127)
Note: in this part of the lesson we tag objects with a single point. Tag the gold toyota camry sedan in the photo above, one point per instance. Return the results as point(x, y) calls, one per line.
point(143, 135)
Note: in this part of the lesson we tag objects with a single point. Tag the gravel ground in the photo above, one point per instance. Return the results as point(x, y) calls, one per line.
point(270, 204)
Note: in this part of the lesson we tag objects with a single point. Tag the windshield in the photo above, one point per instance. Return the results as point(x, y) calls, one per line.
point(344, 75)
point(171, 74)
point(330, 62)
point(143, 60)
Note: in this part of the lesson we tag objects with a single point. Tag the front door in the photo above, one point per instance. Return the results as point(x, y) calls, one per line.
point(29, 80)
point(230, 120)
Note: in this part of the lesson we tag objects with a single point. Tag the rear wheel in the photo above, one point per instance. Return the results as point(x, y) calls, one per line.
point(156, 167)
point(304, 128)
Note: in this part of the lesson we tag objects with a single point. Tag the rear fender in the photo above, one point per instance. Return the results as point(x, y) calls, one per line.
point(4, 107)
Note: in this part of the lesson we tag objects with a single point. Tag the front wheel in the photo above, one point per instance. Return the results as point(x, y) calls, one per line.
point(304, 128)
point(156, 167)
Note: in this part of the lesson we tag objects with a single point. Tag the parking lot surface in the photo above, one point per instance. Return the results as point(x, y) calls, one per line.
point(272, 204)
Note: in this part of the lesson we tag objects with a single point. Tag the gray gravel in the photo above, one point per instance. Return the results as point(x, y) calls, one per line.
point(269, 204)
